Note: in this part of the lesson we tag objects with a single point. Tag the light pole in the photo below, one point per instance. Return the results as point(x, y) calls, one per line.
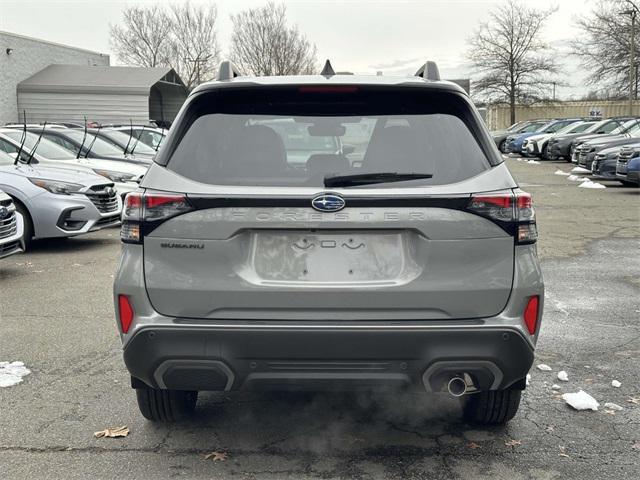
point(632, 12)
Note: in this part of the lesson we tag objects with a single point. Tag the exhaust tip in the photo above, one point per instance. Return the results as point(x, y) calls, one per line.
point(457, 387)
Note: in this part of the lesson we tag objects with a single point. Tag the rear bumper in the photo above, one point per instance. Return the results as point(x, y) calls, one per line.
point(235, 356)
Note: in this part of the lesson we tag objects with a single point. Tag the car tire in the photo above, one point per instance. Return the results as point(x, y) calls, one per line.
point(166, 405)
point(544, 154)
point(628, 184)
point(28, 224)
point(501, 146)
point(494, 407)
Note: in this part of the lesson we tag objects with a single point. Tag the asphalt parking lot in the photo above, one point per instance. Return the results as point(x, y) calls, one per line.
point(56, 316)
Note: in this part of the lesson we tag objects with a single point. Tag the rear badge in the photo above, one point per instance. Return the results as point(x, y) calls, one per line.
point(328, 203)
point(198, 246)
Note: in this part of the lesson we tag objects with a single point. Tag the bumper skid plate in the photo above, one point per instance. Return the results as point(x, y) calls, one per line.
point(342, 358)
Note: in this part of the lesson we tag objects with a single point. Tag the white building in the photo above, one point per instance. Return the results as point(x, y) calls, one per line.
point(21, 57)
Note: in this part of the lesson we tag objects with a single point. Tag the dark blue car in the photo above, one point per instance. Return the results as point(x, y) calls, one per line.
point(628, 169)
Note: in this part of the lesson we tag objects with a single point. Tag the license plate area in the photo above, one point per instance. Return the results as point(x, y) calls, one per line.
point(332, 259)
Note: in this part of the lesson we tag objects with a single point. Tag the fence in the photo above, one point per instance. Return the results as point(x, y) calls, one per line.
point(498, 116)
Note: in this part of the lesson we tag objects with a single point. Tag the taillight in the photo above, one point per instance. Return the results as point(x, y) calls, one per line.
point(531, 314)
point(511, 210)
point(142, 212)
point(125, 312)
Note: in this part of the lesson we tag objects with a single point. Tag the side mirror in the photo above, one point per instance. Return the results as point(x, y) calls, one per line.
point(348, 149)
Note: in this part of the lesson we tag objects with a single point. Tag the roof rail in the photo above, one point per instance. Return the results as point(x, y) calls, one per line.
point(227, 71)
point(429, 71)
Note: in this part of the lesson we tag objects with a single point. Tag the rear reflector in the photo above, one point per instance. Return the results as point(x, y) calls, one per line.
point(531, 314)
point(125, 311)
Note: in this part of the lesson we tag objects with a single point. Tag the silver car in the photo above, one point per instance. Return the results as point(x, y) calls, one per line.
point(11, 227)
point(59, 202)
point(412, 266)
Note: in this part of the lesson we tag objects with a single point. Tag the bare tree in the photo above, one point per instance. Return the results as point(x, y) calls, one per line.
point(603, 48)
point(513, 63)
point(143, 39)
point(263, 44)
point(184, 37)
point(195, 49)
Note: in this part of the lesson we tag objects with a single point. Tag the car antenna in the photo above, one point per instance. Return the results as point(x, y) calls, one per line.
point(23, 138)
point(95, 136)
point(133, 148)
point(83, 138)
point(126, 147)
point(35, 145)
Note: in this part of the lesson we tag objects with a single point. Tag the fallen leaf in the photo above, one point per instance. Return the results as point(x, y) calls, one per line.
point(513, 443)
point(610, 412)
point(563, 453)
point(636, 445)
point(216, 456)
point(356, 440)
point(473, 445)
point(634, 400)
point(113, 432)
point(550, 429)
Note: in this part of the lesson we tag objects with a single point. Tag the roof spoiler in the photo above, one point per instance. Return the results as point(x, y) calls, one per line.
point(228, 71)
point(429, 71)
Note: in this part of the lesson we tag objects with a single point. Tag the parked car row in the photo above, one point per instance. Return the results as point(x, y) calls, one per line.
point(605, 147)
point(61, 180)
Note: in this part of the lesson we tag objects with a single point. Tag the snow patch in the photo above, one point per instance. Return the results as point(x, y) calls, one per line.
point(534, 162)
point(580, 170)
point(577, 178)
point(613, 406)
point(564, 376)
point(589, 184)
point(528, 379)
point(544, 367)
point(581, 401)
point(561, 172)
point(555, 386)
point(11, 373)
point(616, 384)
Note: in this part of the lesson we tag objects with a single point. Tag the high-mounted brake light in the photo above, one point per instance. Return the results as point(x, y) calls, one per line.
point(328, 89)
point(512, 210)
point(531, 314)
point(125, 312)
point(144, 211)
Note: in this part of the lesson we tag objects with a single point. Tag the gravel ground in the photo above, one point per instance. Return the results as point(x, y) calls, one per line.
point(56, 316)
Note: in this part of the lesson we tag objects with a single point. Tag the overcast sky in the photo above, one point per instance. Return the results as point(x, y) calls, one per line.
point(362, 36)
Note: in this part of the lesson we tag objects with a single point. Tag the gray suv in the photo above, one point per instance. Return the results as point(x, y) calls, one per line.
point(411, 265)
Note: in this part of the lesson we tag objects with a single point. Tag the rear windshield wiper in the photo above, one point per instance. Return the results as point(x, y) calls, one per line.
point(370, 178)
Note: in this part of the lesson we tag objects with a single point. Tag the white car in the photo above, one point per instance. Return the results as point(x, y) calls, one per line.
point(151, 136)
point(126, 176)
point(11, 227)
point(536, 145)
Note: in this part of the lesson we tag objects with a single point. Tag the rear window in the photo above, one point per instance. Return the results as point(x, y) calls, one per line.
point(294, 137)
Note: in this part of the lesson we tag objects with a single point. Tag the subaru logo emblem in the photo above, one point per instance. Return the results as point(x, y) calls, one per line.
point(4, 213)
point(328, 203)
